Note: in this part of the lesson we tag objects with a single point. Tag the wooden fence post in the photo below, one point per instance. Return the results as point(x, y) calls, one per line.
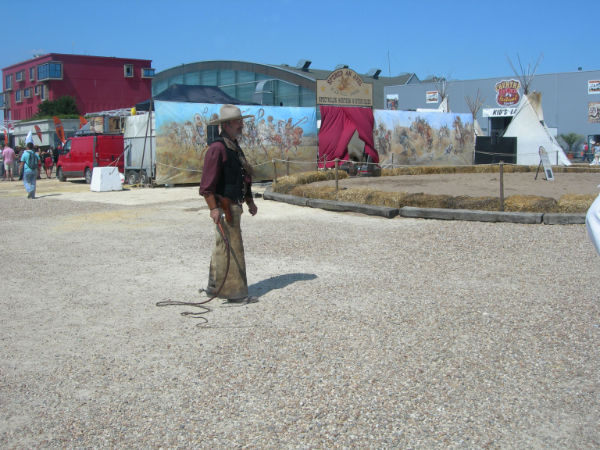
point(336, 174)
point(501, 185)
point(274, 170)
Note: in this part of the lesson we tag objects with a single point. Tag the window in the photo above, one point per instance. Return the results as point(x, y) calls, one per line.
point(66, 149)
point(31, 74)
point(49, 71)
point(20, 75)
point(56, 71)
point(42, 72)
point(42, 92)
point(147, 73)
point(36, 89)
point(2, 101)
point(8, 82)
point(128, 70)
point(27, 92)
point(18, 96)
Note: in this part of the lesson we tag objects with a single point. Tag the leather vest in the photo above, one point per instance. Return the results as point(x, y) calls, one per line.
point(231, 182)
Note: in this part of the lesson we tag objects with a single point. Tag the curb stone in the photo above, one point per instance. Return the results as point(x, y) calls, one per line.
point(563, 219)
point(372, 210)
point(471, 215)
point(429, 213)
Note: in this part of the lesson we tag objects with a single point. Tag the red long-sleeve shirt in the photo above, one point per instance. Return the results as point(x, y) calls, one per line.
point(215, 157)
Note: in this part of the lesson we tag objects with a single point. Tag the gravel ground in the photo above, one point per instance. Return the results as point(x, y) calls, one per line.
point(368, 333)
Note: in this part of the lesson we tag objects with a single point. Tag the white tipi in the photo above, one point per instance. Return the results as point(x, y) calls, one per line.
point(532, 133)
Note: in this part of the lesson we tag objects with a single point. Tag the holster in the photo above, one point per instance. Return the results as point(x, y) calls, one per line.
point(225, 205)
point(218, 201)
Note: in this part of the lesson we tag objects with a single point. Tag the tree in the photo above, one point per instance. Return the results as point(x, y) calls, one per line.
point(441, 84)
point(525, 76)
point(65, 105)
point(571, 139)
point(474, 104)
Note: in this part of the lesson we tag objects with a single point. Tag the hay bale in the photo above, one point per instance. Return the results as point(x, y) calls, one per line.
point(530, 203)
point(306, 191)
point(355, 195)
point(479, 203)
point(285, 185)
point(423, 200)
point(575, 203)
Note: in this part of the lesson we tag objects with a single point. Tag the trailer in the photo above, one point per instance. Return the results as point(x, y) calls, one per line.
point(139, 149)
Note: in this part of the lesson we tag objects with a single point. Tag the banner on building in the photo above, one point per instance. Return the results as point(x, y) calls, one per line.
point(594, 112)
point(344, 87)
point(274, 133)
point(432, 97)
point(423, 138)
point(593, 86)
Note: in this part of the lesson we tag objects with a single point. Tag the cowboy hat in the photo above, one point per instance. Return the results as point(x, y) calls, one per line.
point(227, 113)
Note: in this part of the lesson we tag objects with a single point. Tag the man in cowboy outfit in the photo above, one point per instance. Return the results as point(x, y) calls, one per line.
point(226, 184)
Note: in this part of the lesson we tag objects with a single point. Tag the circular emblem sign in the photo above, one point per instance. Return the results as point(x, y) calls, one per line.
point(507, 92)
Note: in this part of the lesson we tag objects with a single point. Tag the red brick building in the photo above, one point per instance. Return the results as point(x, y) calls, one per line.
point(97, 83)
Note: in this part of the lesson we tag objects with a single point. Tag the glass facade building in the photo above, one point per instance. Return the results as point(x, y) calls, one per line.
point(264, 84)
point(247, 86)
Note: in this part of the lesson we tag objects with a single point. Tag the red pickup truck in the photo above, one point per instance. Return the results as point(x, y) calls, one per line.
point(81, 154)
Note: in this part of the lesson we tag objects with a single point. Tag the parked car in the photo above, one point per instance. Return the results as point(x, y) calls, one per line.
point(81, 154)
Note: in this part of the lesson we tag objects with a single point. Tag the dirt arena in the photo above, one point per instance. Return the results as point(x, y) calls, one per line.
point(368, 332)
point(481, 184)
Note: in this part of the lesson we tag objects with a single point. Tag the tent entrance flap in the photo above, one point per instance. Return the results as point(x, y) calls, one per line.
point(338, 125)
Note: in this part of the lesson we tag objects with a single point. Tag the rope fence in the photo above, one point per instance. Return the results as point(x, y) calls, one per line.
point(387, 165)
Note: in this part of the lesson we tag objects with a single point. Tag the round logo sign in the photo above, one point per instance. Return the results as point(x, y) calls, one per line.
point(507, 92)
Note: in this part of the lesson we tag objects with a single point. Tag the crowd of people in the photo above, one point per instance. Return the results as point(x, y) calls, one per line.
point(595, 153)
point(27, 164)
point(10, 159)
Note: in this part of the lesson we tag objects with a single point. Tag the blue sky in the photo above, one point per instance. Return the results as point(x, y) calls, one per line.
point(458, 40)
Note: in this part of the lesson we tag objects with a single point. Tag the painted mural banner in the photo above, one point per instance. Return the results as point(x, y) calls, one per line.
point(423, 138)
point(594, 112)
point(280, 133)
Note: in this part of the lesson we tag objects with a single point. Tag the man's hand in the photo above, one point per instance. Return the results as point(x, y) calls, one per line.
point(252, 208)
point(215, 215)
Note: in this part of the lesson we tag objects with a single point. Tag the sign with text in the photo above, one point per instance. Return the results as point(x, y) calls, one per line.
point(498, 112)
point(507, 92)
point(344, 87)
point(593, 86)
point(545, 160)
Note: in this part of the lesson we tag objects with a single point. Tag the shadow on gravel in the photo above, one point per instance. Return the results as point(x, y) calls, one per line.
point(278, 282)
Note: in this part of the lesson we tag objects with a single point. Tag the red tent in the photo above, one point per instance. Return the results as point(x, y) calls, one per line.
point(338, 124)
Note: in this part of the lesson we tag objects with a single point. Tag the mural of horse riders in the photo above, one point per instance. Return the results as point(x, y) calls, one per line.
point(287, 133)
point(424, 138)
